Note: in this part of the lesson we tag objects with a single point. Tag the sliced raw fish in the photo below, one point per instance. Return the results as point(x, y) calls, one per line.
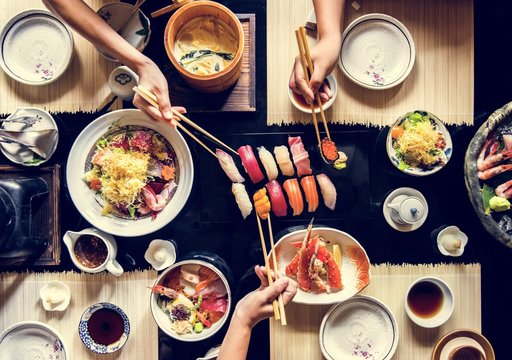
point(328, 190)
point(292, 188)
point(251, 166)
point(228, 165)
point(268, 162)
point(242, 199)
point(283, 160)
point(308, 184)
point(279, 207)
point(300, 156)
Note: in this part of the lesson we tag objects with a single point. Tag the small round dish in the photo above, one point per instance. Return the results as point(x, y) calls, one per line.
point(451, 241)
point(377, 52)
point(19, 154)
point(446, 152)
point(387, 211)
point(55, 296)
point(36, 47)
point(300, 104)
point(462, 337)
point(32, 340)
point(361, 327)
point(136, 31)
point(160, 254)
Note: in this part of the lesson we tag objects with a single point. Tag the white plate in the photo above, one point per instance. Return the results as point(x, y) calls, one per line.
point(285, 252)
point(359, 328)
point(387, 211)
point(31, 340)
point(377, 52)
point(84, 198)
point(36, 47)
point(20, 154)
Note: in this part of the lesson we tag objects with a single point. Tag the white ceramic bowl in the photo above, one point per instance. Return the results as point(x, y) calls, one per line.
point(162, 319)
point(361, 327)
point(377, 52)
point(84, 198)
point(447, 305)
point(333, 85)
point(454, 232)
point(121, 81)
point(37, 47)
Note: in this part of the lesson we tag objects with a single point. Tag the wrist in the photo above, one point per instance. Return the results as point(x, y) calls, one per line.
point(242, 321)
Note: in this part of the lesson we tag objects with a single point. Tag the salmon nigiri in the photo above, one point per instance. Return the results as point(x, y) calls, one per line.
point(308, 184)
point(291, 186)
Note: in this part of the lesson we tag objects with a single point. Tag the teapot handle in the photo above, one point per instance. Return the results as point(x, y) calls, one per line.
point(114, 267)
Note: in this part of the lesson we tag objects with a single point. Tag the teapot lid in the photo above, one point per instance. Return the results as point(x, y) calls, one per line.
point(412, 210)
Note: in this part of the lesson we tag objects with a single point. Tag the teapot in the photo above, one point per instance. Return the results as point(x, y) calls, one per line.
point(96, 251)
point(406, 209)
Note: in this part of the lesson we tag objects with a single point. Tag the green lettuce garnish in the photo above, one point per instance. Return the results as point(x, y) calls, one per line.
point(487, 195)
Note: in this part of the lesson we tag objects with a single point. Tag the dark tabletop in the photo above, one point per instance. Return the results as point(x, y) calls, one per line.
point(211, 221)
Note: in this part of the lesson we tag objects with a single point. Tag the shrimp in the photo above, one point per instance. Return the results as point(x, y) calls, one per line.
point(154, 201)
point(504, 190)
point(489, 173)
point(162, 290)
point(495, 159)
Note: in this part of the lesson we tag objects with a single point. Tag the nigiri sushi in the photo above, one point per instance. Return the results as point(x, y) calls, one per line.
point(242, 199)
point(283, 160)
point(328, 190)
point(268, 162)
point(261, 203)
point(279, 207)
point(300, 156)
point(308, 184)
point(291, 186)
point(228, 165)
point(250, 163)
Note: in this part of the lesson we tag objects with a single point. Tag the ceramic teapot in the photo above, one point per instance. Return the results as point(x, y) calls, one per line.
point(406, 209)
point(93, 251)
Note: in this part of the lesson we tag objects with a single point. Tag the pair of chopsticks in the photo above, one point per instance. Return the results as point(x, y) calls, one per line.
point(305, 59)
point(279, 312)
point(152, 99)
point(169, 8)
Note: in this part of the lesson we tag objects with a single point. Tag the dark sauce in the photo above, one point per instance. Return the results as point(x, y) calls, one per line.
point(465, 353)
point(302, 102)
point(425, 299)
point(90, 251)
point(105, 326)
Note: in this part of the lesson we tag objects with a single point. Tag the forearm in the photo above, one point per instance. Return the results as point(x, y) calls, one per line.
point(329, 18)
point(236, 342)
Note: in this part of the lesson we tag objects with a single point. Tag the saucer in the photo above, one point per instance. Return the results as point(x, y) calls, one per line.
point(387, 211)
point(462, 337)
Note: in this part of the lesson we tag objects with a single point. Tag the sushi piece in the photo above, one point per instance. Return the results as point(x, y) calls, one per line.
point(228, 165)
point(250, 163)
point(242, 199)
point(308, 184)
point(329, 149)
point(292, 188)
point(261, 203)
point(268, 162)
point(279, 207)
point(328, 190)
point(300, 156)
point(283, 160)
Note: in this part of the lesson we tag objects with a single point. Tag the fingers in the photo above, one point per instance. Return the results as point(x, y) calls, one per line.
point(261, 272)
point(147, 108)
point(276, 288)
point(290, 291)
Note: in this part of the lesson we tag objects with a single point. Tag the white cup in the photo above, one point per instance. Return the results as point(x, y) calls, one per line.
point(121, 81)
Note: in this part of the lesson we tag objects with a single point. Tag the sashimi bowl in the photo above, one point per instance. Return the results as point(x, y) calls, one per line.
point(341, 263)
point(191, 300)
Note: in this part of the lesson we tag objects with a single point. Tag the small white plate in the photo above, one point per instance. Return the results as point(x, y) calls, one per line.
point(20, 154)
point(32, 340)
point(387, 211)
point(36, 47)
point(377, 52)
point(359, 328)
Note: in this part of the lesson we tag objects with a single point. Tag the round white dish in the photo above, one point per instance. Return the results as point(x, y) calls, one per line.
point(285, 251)
point(20, 154)
point(454, 232)
point(84, 198)
point(387, 211)
point(415, 171)
point(361, 327)
point(333, 85)
point(160, 254)
point(377, 52)
point(37, 47)
point(32, 340)
point(55, 296)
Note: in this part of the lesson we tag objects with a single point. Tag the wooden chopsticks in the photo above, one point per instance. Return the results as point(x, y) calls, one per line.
point(152, 99)
point(307, 62)
point(279, 312)
point(169, 8)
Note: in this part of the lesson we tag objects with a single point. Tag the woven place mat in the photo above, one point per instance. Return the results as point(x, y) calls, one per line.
point(84, 85)
point(441, 81)
point(20, 301)
point(389, 284)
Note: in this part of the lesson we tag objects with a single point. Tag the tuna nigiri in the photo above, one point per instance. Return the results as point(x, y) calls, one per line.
point(308, 184)
point(328, 190)
point(250, 163)
point(291, 186)
point(300, 156)
point(268, 162)
point(242, 199)
point(229, 167)
point(261, 203)
point(275, 192)
point(283, 160)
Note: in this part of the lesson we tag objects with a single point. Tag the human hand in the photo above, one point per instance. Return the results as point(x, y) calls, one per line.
point(257, 305)
point(324, 56)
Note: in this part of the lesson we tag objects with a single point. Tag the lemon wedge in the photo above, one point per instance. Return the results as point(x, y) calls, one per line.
point(336, 253)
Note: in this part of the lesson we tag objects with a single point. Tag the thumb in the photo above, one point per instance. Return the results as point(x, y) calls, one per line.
point(316, 80)
point(165, 108)
point(276, 288)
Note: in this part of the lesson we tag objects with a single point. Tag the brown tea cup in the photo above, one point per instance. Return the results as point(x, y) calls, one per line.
point(466, 352)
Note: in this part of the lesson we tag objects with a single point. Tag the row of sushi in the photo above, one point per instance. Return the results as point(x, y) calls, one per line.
point(299, 155)
point(277, 202)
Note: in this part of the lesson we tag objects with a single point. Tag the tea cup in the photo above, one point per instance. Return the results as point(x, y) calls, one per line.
point(466, 352)
point(93, 251)
point(121, 81)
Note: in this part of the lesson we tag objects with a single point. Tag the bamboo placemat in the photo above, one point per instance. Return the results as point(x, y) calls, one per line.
point(20, 301)
point(84, 85)
point(441, 81)
point(300, 338)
